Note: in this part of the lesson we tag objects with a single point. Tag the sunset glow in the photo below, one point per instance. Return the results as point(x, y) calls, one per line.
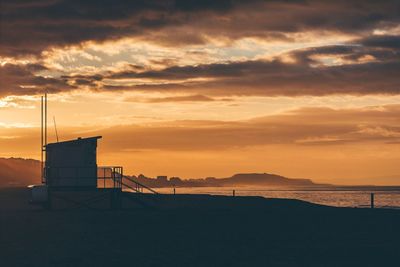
point(303, 89)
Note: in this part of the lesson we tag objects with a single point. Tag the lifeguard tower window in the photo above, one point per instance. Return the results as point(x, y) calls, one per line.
point(72, 163)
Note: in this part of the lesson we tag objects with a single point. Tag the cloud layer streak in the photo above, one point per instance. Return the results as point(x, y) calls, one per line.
point(366, 64)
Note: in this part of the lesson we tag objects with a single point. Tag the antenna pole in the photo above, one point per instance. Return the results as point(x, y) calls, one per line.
point(41, 138)
point(55, 127)
point(45, 119)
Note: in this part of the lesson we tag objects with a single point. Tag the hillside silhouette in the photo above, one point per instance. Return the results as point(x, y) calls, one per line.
point(264, 179)
point(19, 171)
point(242, 179)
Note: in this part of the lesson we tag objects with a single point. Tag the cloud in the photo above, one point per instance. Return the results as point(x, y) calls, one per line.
point(383, 41)
point(368, 64)
point(19, 79)
point(189, 98)
point(299, 127)
point(364, 66)
point(271, 78)
point(61, 23)
point(383, 48)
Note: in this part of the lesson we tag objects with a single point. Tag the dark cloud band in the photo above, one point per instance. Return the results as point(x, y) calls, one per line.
point(29, 27)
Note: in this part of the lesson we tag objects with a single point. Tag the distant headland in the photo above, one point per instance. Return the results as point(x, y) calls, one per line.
point(241, 179)
point(19, 172)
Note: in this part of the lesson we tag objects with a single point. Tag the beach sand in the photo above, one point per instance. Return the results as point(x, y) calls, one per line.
point(197, 230)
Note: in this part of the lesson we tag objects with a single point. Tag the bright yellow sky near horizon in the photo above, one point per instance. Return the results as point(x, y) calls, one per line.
point(230, 92)
point(280, 135)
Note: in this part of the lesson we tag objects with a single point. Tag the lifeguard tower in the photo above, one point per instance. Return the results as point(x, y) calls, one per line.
point(70, 173)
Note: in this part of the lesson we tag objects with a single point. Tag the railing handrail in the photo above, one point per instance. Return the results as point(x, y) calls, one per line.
point(138, 183)
point(115, 167)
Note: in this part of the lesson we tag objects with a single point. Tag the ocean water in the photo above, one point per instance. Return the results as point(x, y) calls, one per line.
point(384, 197)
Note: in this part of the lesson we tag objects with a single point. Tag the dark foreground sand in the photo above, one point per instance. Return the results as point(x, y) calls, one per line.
point(187, 230)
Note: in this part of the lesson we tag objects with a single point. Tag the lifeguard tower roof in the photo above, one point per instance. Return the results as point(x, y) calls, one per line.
point(78, 140)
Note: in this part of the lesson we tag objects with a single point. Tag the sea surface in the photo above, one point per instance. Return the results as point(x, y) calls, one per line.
point(351, 196)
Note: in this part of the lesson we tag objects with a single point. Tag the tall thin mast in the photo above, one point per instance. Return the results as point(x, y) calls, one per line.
point(45, 119)
point(41, 138)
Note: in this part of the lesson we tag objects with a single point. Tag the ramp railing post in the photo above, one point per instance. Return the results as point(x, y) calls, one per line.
point(372, 200)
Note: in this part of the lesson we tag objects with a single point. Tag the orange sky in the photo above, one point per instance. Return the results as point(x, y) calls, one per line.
point(199, 89)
